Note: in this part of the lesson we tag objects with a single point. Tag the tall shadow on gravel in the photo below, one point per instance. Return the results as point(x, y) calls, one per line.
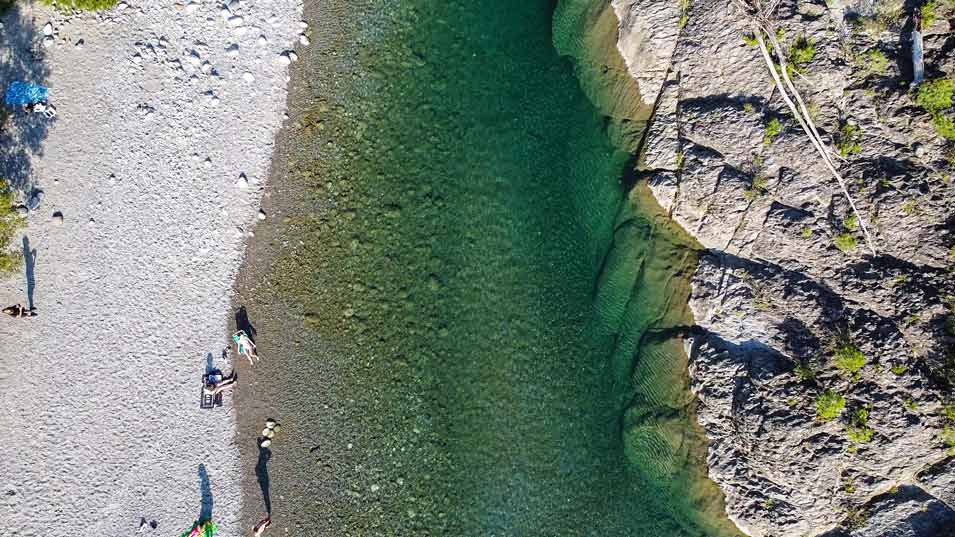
point(205, 511)
point(29, 259)
point(21, 135)
point(242, 323)
point(262, 476)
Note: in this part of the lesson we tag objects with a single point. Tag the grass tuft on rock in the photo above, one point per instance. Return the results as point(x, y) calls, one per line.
point(845, 242)
point(858, 429)
point(829, 405)
point(849, 359)
point(849, 140)
point(937, 97)
point(801, 54)
point(773, 129)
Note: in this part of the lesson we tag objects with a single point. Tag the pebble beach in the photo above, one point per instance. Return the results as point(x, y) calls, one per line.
point(152, 175)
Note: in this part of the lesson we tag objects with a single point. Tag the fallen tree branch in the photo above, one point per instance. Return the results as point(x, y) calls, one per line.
point(788, 92)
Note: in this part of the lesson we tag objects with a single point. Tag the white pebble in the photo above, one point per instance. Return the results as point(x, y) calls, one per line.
point(208, 162)
point(284, 59)
point(263, 41)
point(292, 56)
point(206, 67)
point(194, 58)
point(191, 7)
point(232, 50)
point(48, 41)
point(303, 25)
point(225, 14)
point(242, 182)
point(48, 29)
point(248, 77)
point(261, 214)
point(122, 6)
point(303, 39)
point(235, 20)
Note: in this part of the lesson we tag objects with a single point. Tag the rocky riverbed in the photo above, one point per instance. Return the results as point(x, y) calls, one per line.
point(824, 372)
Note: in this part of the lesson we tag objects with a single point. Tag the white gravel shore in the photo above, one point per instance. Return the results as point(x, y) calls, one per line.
point(164, 108)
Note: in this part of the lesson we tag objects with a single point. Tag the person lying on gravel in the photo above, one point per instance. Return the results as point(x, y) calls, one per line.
point(17, 311)
point(244, 346)
point(259, 528)
point(213, 388)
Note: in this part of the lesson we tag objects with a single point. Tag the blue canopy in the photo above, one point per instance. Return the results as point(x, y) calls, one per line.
point(21, 93)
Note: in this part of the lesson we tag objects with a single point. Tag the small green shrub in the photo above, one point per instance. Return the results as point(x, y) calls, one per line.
point(944, 126)
point(936, 95)
point(874, 62)
point(851, 223)
point(850, 140)
point(88, 5)
point(829, 405)
point(807, 232)
point(684, 13)
point(929, 13)
point(805, 372)
point(801, 54)
point(948, 438)
point(910, 207)
point(858, 429)
point(849, 359)
point(759, 187)
point(845, 242)
point(899, 370)
point(773, 129)
point(10, 225)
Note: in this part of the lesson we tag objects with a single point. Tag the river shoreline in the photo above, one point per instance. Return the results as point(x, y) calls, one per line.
point(392, 413)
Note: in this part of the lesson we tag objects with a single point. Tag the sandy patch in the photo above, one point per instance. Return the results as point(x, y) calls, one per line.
point(167, 115)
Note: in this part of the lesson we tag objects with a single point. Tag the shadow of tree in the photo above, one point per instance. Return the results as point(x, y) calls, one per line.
point(21, 135)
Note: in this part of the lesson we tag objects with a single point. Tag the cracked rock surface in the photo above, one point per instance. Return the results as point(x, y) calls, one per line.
point(786, 285)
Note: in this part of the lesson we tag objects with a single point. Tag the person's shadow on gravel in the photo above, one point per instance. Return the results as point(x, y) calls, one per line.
point(205, 511)
point(242, 323)
point(29, 259)
point(262, 475)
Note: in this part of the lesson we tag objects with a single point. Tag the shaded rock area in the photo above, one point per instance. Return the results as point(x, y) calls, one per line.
point(790, 303)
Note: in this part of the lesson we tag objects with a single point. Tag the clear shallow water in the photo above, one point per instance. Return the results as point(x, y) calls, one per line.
point(483, 278)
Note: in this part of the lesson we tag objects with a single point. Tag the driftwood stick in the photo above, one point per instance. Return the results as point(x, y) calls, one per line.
point(805, 121)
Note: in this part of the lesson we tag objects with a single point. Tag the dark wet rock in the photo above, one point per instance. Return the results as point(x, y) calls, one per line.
point(775, 297)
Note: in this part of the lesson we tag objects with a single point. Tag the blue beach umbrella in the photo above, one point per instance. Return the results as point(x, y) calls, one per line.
point(21, 93)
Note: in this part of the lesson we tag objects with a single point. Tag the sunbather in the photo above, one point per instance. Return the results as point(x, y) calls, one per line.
point(17, 311)
point(213, 388)
point(259, 528)
point(244, 346)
